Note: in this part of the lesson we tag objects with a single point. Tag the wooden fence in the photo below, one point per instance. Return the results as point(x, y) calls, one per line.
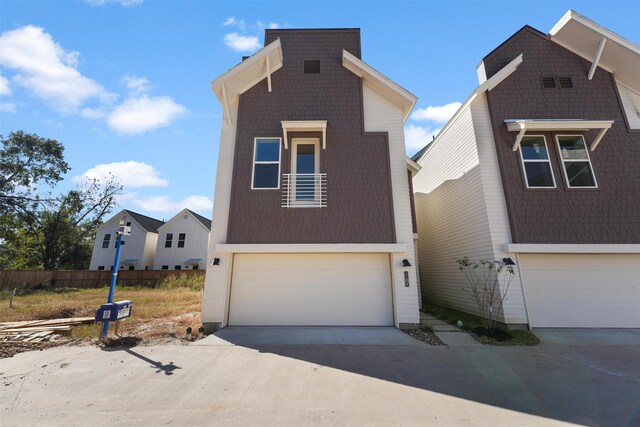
point(10, 279)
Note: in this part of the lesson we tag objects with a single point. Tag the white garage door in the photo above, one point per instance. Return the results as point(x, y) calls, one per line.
point(311, 289)
point(589, 291)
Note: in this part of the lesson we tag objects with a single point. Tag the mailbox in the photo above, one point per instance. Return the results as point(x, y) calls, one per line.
point(114, 311)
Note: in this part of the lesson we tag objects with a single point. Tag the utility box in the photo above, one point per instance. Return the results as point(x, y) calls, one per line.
point(114, 311)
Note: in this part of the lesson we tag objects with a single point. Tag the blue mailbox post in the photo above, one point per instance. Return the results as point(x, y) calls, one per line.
point(115, 311)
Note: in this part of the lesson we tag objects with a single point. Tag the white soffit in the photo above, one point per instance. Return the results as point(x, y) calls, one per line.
point(247, 74)
point(382, 84)
point(545, 248)
point(413, 166)
point(289, 248)
point(523, 126)
point(304, 126)
point(599, 46)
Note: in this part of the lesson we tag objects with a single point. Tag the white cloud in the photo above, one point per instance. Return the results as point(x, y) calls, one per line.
point(7, 107)
point(93, 113)
point(130, 174)
point(235, 22)
point(47, 70)
point(417, 137)
point(242, 43)
point(5, 89)
point(439, 114)
point(145, 113)
point(137, 85)
point(273, 25)
point(120, 2)
point(164, 204)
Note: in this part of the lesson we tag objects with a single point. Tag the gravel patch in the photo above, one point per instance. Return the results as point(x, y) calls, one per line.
point(428, 337)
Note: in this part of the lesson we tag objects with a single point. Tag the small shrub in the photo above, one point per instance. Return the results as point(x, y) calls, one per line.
point(195, 283)
point(496, 334)
point(426, 328)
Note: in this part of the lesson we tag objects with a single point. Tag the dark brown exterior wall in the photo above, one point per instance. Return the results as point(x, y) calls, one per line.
point(608, 214)
point(359, 203)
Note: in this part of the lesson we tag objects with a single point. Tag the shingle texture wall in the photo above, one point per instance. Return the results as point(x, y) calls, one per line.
point(608, 214)
point(359, 203)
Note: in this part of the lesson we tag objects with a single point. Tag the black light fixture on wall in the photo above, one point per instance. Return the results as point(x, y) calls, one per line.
point(406, 263)
point(216, 261)
point(508, 261)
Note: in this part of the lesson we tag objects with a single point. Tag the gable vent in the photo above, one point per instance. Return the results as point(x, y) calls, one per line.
point(565, 82)
point(312, 66)
point(548, 82)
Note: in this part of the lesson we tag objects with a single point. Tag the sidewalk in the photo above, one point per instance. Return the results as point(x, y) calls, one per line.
point(449, 334)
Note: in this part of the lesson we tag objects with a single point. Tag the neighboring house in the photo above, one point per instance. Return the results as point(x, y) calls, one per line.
point(138, 250)
point(312, 221)
point(541, 164)
point(182, 242)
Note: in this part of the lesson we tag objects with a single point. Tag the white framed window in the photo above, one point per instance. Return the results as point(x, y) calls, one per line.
point(105, 241)
point(576, 164)
point(168, 240)
point(536, 165)
point(266, 164)
point(181, 238)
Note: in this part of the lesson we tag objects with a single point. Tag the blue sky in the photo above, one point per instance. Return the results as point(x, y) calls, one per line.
point(124, 84)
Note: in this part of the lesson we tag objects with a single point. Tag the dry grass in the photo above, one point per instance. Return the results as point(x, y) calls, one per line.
point(157, 313)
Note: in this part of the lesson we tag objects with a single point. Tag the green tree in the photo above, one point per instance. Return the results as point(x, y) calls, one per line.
point(46, 232)
point(27, 160)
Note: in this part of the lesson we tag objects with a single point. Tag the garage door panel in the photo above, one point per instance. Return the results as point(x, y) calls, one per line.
point(565, 290)
point(305, 289)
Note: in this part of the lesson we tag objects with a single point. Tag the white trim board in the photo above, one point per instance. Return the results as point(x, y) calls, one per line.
point(312, 248)
point(550, 248)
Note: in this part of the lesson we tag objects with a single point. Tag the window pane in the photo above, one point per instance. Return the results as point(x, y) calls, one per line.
point(538, 174)
point(267, 150)
point(168, 240)
point(533, 148)
point(572, 148)
point(265, 176)
point(305, 158)
point(579, 174)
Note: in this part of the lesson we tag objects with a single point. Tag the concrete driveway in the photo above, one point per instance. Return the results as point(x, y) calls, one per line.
point(293, 383)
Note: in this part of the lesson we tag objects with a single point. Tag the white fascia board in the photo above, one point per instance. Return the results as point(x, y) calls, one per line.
point(312, 248)
point(542, 248)
point(494, 81)
point(304, 126)
point(573, 15)
point(382, 84)
point(413, 166)
point(257, 68)
point(523, 126)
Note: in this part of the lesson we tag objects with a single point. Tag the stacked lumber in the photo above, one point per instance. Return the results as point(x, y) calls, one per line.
point(38, 330)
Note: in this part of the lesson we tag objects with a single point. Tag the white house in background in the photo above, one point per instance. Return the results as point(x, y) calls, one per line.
point(138, 250)
point(182, 242)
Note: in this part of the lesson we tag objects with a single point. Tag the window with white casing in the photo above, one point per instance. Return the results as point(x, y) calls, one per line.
point(536, 165)
point(181, 238)
point(105, 241)
point(266, 164)
point(576, 164)
point(168, 240)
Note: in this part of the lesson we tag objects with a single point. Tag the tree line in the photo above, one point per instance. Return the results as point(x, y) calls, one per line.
point(40, 230)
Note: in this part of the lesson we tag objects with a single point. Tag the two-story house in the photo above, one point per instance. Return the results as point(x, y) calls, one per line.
point(541, 166)
point(182, 242)
point(138, 250)
point(312, 221)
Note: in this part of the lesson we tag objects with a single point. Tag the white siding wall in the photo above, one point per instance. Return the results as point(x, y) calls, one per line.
point(380, 115)
point(195, 246)
point(631, 104)
point(496, 206)
point(461, 211)
point(218, 277)
point(139, 245)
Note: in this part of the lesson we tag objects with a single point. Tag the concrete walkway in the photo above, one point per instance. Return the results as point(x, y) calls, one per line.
point(449, 334)
point(339, 385)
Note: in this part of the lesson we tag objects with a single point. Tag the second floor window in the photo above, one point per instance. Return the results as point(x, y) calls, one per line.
point(169, 240)
point(575, 161)
point(181, 238)
point(266, 164)
point(105, 241)
point(535, 162)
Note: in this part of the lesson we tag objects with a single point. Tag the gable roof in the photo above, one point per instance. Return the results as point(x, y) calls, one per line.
point(600, 46)
point(149, 224)
point(205, 221)
point(381, 83)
